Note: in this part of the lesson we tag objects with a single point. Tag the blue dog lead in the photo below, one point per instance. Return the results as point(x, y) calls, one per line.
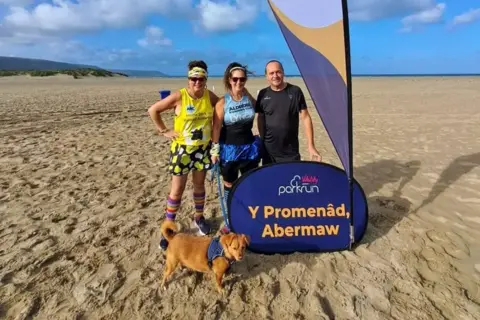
point(216, 170)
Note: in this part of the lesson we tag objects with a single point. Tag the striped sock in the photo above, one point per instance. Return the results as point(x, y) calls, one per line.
point(199, 199)
point(172, 207)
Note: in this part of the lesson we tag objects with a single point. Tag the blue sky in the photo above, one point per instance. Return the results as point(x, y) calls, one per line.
point(387, 36)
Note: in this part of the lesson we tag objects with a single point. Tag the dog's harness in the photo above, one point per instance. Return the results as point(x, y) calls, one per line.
point(215, 250)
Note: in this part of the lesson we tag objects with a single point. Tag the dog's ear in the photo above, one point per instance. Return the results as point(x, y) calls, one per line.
point(246, 237)
point(228, 239)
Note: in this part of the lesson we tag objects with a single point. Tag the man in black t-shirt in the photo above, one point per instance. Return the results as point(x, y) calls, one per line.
point(279, 108)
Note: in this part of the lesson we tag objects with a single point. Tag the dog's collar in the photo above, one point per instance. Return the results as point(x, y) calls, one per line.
point(215, 250)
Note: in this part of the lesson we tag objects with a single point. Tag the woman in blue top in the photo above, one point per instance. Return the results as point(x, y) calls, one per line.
point(234, 145)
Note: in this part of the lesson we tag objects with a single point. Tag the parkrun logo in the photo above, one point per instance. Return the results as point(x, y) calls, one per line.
point(305, 184)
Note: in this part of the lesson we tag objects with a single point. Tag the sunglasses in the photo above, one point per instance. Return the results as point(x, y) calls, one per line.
point(241, 79)
point(197, 79)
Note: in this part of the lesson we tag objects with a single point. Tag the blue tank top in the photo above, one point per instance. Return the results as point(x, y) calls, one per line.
point(238, 119)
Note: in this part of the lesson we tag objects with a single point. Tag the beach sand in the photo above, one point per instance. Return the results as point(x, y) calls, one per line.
point(83, 185)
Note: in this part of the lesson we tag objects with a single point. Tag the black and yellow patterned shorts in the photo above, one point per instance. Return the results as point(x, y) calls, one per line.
point(185, 158)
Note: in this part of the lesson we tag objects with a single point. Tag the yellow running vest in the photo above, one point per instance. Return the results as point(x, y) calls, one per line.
point(194, 122)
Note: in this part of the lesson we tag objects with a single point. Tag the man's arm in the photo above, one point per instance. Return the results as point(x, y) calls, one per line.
point(260, 115)
point(308, 124)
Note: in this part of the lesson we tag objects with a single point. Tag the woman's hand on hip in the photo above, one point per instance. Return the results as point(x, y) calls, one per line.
point(171, 134)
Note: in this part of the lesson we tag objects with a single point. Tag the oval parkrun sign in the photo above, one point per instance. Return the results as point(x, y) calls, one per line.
point(299, 206)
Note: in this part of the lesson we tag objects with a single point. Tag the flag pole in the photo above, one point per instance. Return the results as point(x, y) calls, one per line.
point(346, 32)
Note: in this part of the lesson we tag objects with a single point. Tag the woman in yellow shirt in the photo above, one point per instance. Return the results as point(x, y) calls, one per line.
point(191, 136)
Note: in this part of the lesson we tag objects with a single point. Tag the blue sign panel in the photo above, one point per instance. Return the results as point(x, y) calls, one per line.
point(299, 206)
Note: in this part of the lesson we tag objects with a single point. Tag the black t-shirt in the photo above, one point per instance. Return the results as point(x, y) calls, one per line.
point(281, 113)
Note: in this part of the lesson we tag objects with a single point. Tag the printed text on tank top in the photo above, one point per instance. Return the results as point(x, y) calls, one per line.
point(238, 111)
point(237, 121)
point(193, 122)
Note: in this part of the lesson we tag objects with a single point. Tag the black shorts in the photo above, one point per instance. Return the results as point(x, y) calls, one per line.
point(231, 169)
point(268, 158)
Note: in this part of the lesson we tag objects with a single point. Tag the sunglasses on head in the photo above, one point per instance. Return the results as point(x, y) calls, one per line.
point(201, 79)
point(241, 79)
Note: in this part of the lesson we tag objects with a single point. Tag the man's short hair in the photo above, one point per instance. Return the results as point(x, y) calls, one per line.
point(273, 60)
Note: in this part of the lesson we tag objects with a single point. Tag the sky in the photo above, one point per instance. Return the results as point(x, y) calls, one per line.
point(387, 36)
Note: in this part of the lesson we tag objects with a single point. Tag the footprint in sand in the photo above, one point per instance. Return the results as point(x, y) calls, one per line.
point(99, 286)
point(279, 305)
point(441, 298)
point(132, 279)
point(26, 308)
point(378, 298)
point(435, 261)
point(406, 297)
point(433, 266)
point(363, 309)
point(453, 244)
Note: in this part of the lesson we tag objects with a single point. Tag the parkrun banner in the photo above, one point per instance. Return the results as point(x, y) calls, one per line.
point(317, 33)
point(309, 206)
point(299, 206)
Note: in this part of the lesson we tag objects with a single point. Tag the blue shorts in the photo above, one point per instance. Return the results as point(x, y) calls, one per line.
point(236, 153)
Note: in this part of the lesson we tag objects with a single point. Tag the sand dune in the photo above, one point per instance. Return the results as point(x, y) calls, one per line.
point(83, 185)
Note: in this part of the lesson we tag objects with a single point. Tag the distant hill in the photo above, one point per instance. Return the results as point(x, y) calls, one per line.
point(75, 73)
point(11, 66)
point(141, 73)
point(24, 64)
point(39, 67)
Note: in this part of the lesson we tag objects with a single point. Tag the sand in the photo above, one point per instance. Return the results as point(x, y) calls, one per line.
point(83, 185)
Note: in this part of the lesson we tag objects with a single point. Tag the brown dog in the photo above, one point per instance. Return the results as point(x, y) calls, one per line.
point(202, 254)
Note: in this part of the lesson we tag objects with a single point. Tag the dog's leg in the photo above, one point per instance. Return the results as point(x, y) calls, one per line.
point(170, 266)
point(219, 267)
point(218, 277)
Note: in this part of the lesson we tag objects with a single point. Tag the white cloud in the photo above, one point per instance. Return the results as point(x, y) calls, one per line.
point(217, 16)
point(46, 30)
point(428, 16)
point(154, 36)
point(467, 17)
point(68, 17)
point(63, 18)
point(81, 16)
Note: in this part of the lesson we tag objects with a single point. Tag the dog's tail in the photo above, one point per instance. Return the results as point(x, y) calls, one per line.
point(169, 229)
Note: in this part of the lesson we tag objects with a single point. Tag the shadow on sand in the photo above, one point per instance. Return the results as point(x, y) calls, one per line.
point(455, 170)
point(384, 212)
